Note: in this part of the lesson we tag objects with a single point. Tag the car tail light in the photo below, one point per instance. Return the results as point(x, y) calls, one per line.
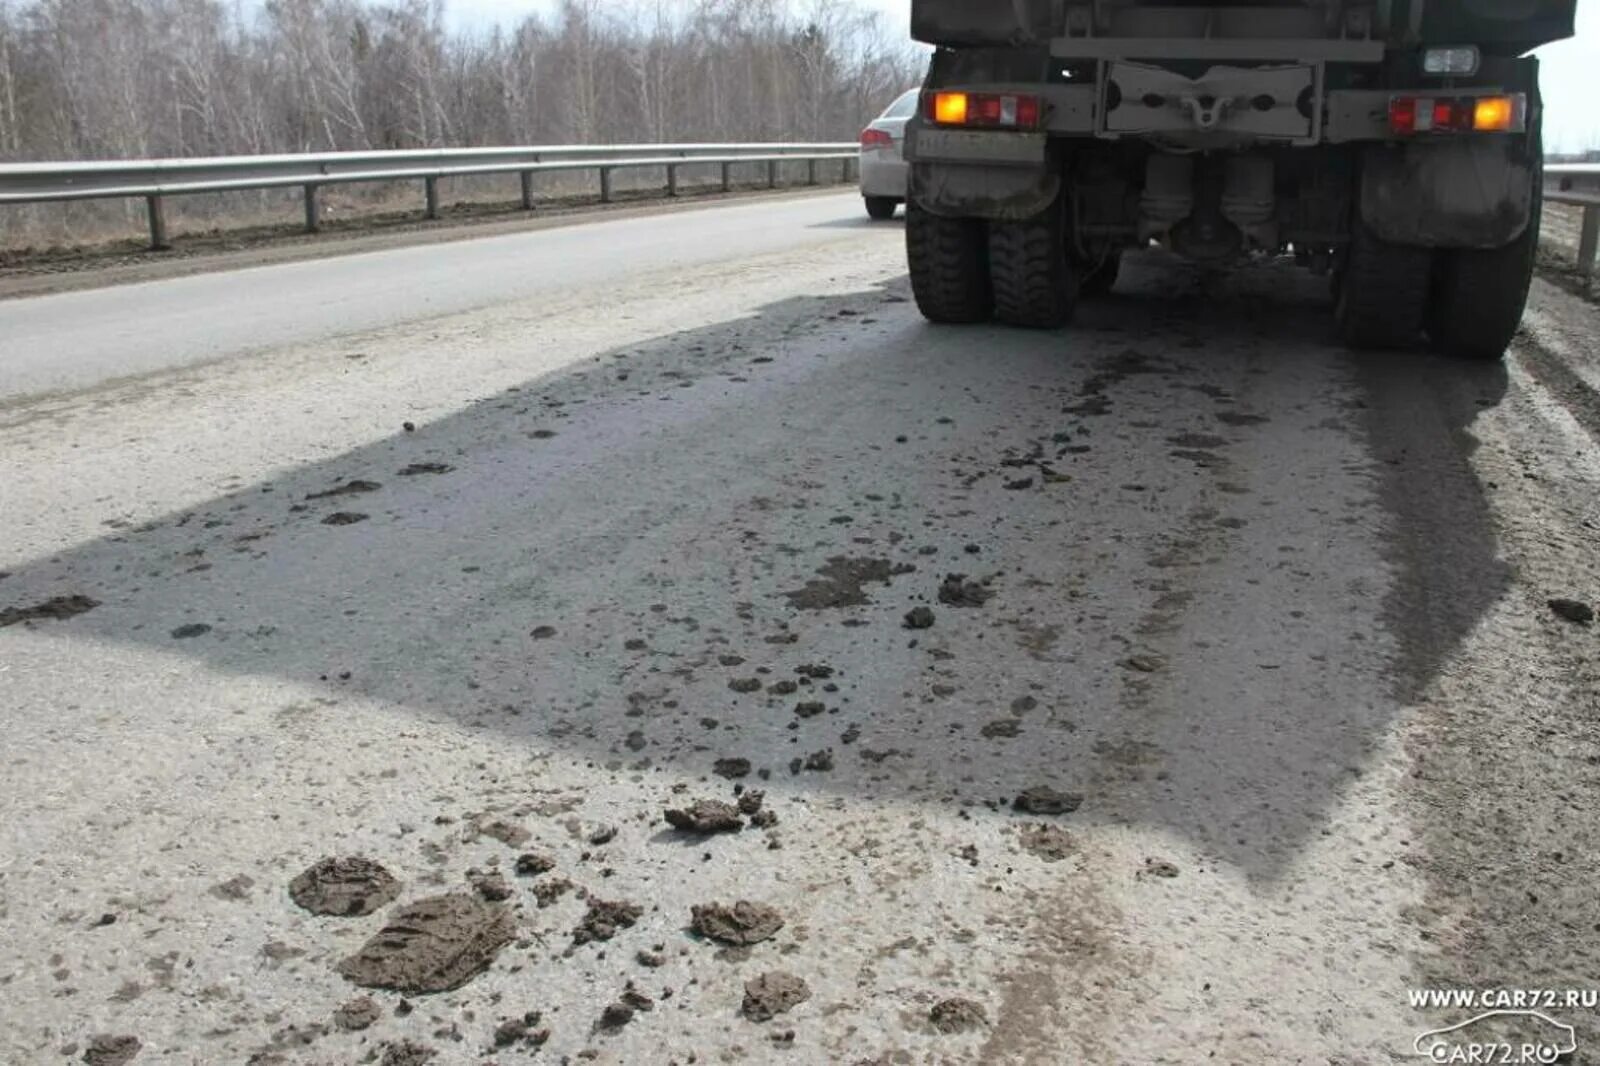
point(875, 138)
point(1018, 111)
point(1410, 115)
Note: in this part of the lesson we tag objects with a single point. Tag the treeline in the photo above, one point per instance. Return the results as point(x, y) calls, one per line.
point(85, 79)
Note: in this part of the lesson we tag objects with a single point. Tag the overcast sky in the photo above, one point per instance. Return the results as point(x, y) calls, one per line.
point(1571, 68)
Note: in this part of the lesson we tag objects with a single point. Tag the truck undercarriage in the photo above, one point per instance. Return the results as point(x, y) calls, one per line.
point(1394, 146)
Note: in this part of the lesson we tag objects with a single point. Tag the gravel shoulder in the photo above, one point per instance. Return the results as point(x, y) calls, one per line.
point(1239, 720)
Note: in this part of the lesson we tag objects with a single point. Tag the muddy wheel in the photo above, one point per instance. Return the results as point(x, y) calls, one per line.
point(1035, 282)
point(881, 208)
point(1382, 292)
point(1098, 280)
point(1478, 296)
point(949, 265)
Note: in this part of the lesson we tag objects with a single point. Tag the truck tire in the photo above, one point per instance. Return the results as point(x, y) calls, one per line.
point(1035, 282)
point(949, 265)
point(1097, 280)
point(1479, 295)
point(1382, 293)
point(881, 208)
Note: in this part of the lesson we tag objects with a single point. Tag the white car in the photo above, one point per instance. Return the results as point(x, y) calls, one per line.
point(883, 164)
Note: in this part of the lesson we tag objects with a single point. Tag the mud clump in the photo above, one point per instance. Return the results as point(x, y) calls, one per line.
point(357, 1014)
point(508, 833)
point(810, 708)
point(745, 685)
point(108, 1050)
point(731, 768)
point(706, 817)
point(55, 609)
point(957, 591)
point(840, 582)
point(1159, 868)
point(348, 887)
point(1574, 611)
point(349, 488)
point(772, 994)
point(957, 1015)
point(1042, 799)
point(918, 618)
point(605, 920)
point(433, 945)
point(234, 889)
point(523, 1030)
point(1001, 728)
point(344, 518)
point(547, 892)
point(491, 885)
point(742, 924)
point(532, 864)
point(190, 631)
point(426, 468)
point(406, 1052)
point(1048, 842)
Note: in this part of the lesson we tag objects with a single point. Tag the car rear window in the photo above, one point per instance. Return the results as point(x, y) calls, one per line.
point(903, 107)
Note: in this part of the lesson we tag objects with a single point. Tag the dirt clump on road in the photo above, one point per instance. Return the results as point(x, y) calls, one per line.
point(349, 488)
point(841, 581)
point(108, 1050)
point(1572, 611)
point(742, 924)
point(957, 591)
point(347, 887)
point(433, 945)
point(1042, 799)
point(357, 1014)
point(918, 618)
point(406, 1053)
point(770, 994)
point(957, 1015)
point(54, 609)
point(731, 768)
point(706, 817)
point(605, 919)
point(1048, 842)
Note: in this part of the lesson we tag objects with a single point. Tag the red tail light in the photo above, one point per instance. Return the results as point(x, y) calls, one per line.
point(871, 138)
point(1409, 115)
point(1017, 111)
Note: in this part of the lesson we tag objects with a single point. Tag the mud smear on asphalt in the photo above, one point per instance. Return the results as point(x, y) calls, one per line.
point(55, 609)
point(433, 945)
point(770, 994)
point(349, 488)
point(840, 582)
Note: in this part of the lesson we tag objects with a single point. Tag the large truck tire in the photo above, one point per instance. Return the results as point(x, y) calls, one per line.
point(1035, 282)
point(949, 265)
point(1098, 279)
point(1382, 292)
point(1479, 295)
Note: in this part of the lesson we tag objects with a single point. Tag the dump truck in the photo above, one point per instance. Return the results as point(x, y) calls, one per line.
point(1393, 146)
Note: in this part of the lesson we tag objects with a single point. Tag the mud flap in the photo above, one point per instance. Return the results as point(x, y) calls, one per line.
point(1474, 192)
point(1003, 193)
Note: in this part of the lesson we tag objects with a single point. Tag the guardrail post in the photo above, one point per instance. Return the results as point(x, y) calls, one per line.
point(727, 177)
point(158, 224)
point(313, 220)
point(1589, 241)
point(811, 171)
point(605, 185)
point(672, 180)
point(849, 170)
point(430, 191)
point(772, 173)
point(527, 190)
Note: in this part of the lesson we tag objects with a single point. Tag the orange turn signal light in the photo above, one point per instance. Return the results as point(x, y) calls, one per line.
point(1493, 114)
point(950, 108)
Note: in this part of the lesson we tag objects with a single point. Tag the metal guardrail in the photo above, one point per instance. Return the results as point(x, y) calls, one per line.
point(156, 179)
point(1578, 184)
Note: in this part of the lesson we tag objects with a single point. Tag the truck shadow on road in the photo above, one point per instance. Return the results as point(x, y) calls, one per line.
point(1204, 556)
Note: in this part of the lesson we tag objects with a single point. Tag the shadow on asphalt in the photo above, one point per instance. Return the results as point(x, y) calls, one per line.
point(1174, 628)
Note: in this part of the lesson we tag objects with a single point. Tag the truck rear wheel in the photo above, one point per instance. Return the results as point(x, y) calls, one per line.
point(1382, 292)
point(1035, 283)
point(949, 265)
point(1478, 296)
point(881, 208)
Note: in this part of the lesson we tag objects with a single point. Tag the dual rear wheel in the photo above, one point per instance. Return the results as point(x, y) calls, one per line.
point(1018, 272)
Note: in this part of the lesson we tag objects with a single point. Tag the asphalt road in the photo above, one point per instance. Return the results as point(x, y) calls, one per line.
point(1270, 619)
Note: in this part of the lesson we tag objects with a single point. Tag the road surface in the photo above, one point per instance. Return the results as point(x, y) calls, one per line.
point(480, 561)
